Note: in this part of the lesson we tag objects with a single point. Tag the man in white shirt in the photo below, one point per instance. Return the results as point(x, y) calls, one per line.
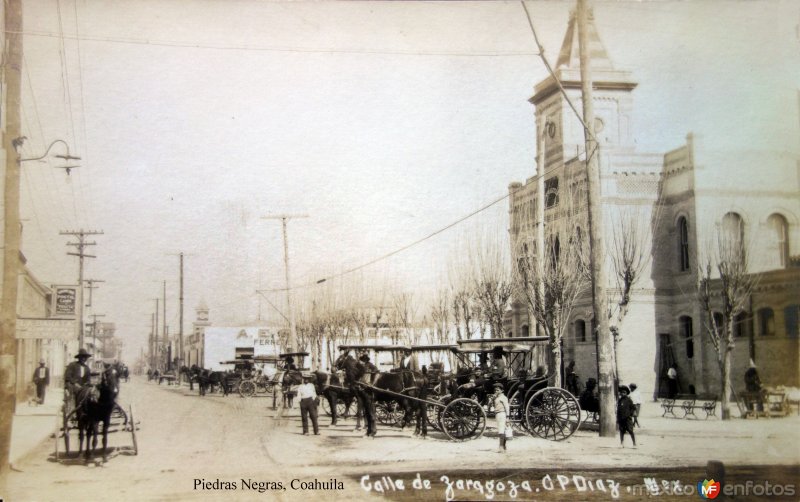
point(636, 397)
point(307, 394)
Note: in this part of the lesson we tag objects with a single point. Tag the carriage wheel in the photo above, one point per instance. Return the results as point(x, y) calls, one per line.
point(463, 419)
point(132, 425)
point(516, 416)
point(326, 406)
point(247, 388)
point(265, 388)
point(433, 414)
point(386, 415)
point(553, 414)
point(341, 409)
point(65, 428)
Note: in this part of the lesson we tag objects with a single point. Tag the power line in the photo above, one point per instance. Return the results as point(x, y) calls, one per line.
point(85, 154)
point(312, 50)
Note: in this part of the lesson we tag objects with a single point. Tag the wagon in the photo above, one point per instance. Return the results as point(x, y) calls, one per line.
point(460, 419)
point(122, 422)
point(548, 412)
point(255, 381)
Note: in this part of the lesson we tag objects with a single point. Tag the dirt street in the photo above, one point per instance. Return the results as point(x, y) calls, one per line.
point(186, 441)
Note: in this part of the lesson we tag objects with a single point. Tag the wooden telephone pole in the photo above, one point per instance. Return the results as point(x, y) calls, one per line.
point(8, 311)
point(605, 341)
point(292, 345)
point(81, 246)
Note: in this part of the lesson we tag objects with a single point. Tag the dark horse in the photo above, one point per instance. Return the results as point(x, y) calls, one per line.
point(331, 388)
point(95, 405)
point(402, 387)
point(207, 380)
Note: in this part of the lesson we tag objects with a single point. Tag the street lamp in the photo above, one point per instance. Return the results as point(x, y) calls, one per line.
point(66, 157)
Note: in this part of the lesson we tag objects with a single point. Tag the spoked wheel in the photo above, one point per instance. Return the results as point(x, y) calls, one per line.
point(433, 414)
point(463, 419)
point(265, 388)
point(516, 416)
point(247, 388)
point(553, 414)
point(388, 413)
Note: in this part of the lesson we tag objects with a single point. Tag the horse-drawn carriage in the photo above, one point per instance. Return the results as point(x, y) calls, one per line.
point(460, 419)
point(548, 412)
point(260, 376)
point(96, 403)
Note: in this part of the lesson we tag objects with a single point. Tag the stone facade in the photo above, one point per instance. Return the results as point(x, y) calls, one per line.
point(683, 199)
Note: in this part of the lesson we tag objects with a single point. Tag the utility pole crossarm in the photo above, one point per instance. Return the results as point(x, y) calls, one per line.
point(81, 246)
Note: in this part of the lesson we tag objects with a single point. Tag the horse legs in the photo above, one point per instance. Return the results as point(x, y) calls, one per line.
point(332, 401)
point(106, 424)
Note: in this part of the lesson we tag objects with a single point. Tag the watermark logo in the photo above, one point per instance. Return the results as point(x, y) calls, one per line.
point(708, 489)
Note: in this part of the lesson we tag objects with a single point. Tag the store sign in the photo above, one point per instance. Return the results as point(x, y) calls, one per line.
point(65, 301)
point(51, 329)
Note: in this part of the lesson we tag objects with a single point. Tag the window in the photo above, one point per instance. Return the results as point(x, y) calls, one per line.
point(780, 234)
point(733, 235)
point(740, 324)
point(766, 322)
point(580, 330)
point(719, 322)
point(526, 330)
point(791, 317)
point(683, 240)
point(687, 334)
point(551, 193)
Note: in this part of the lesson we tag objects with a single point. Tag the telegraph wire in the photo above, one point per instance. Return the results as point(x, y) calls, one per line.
point(311, 50)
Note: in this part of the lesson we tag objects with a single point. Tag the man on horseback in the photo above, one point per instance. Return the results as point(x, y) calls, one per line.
point(77, 375)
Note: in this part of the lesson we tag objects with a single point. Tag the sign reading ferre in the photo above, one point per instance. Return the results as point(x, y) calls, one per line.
point(65, 299)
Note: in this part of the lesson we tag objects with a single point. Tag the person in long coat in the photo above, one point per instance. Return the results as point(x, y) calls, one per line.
point(41, 378)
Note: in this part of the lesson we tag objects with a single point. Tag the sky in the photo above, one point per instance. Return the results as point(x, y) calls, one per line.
point(381, 121)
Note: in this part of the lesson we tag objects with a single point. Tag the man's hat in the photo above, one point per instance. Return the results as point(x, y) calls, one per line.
point(364, 357)
point(625, 389)
point(308, 377)
point(41, 361)
point(82, 353)
point(498, 386)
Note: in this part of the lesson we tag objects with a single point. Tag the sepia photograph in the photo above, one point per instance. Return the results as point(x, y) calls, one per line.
point(400, 250)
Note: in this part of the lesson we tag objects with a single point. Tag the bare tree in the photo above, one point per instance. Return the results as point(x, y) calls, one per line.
point(550, 288)
point(631, 254)
point(724, 287)
point(492, 280)
point(405, 308)
point(440, 317)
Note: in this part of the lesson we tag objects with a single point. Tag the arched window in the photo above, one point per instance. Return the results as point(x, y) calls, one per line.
point(551, 193)
point(555, 250)
point(526, 330)
point(733, 236)
point(791, 318)
point(580, 330)
point(779, 230)
point(687, 334)
point(766, 322)
point(683, 243)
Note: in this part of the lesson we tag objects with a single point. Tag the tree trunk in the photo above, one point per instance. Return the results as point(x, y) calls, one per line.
point(725, 404)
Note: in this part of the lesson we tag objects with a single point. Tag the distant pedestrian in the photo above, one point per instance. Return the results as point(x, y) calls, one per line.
point(41, 377)
point(636, 397)
point(309, 401)
point(752, 381)
point(501, 408)
point(625, 411)
point(672, 381)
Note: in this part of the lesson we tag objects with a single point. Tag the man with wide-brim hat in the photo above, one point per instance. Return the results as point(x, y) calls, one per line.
point(77, 375)
point(307, 393)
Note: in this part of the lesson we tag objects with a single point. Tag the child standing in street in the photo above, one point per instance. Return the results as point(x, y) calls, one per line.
point(625, 412)
point(501, 409)
point(636, 398)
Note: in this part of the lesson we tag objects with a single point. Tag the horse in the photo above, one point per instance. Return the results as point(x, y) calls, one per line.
point(95, 405)
point(407, 383)
point(190, 374)
point(208, 380)
point(330, 387)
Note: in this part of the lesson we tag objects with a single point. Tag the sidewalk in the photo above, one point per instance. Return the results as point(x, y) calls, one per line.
point(34, 423)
